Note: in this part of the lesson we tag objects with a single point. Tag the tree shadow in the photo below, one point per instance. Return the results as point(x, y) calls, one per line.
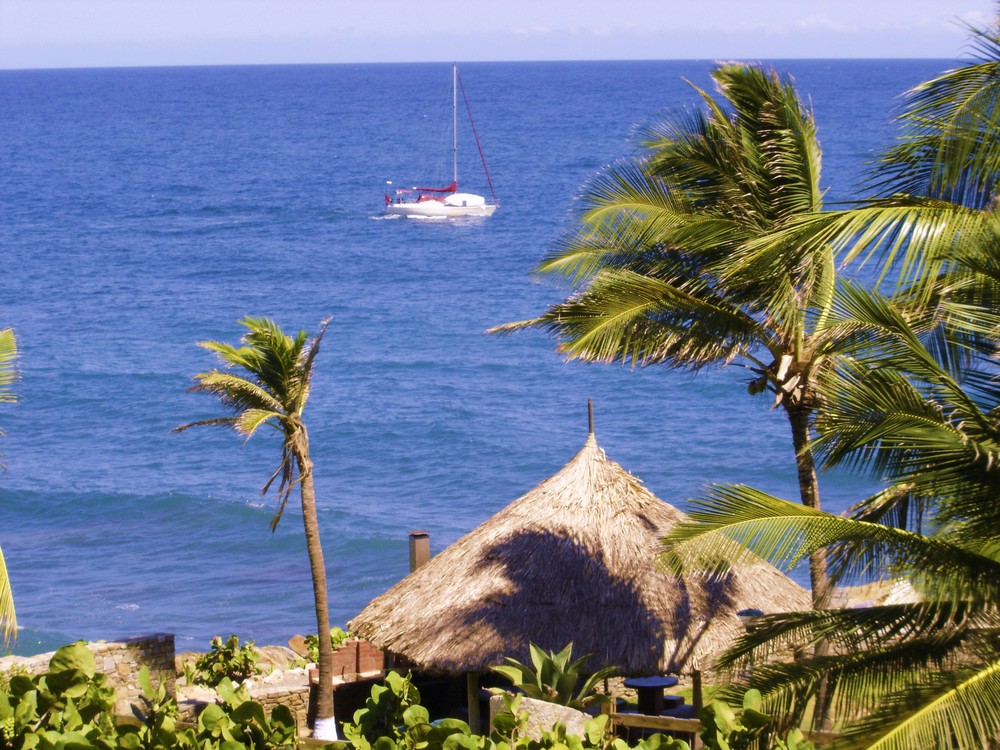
point(559, 590)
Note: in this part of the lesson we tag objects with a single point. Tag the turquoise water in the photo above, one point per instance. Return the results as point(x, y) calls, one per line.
point(143, 210)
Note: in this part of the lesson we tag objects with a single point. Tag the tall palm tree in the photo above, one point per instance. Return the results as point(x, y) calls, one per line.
point(667, 272)
point(8, 374)
point(919, 407)
point(912, 675)
point(267, 382)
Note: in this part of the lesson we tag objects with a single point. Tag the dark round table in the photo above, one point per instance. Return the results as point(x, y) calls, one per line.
point(650, 690)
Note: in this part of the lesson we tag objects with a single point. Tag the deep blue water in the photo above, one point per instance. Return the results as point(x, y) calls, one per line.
point(143, 210)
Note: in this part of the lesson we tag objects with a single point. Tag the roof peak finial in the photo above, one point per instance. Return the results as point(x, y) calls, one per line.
point(590, 416)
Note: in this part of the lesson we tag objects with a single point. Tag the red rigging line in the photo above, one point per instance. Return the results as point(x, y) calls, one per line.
point(475, 134)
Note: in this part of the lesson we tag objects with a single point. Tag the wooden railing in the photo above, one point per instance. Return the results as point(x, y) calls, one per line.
point(690, 728)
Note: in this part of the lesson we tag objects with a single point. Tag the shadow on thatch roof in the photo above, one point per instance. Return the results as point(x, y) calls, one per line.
point(572, 560)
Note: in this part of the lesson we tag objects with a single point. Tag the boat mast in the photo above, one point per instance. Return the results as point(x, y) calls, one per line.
point(454, 124)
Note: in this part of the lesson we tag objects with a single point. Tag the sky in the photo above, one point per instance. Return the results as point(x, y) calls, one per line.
point(116, 33)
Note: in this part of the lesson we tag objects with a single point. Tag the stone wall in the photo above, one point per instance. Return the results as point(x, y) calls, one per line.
point(296, 697)
point(120, 661)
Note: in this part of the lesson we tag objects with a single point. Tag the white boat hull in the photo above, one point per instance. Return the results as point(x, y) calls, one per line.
point(436, 210)
point(456, 204)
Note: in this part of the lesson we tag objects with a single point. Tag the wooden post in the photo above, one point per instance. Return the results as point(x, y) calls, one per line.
point(472, 695)
point(698, 701)
point(590, 416)
point(420, 549)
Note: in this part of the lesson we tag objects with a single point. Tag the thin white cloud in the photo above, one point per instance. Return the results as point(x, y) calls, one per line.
point(73, 32)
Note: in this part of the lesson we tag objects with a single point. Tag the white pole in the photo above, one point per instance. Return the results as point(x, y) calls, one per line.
point(454, 124)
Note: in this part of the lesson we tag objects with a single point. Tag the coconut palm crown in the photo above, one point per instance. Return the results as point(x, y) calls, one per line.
point(266, 381)
point(667, 270)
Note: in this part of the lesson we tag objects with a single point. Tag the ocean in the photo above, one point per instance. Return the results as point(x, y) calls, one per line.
point(144, 210)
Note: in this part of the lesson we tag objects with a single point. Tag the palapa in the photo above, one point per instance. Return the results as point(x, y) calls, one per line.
point(573, 560)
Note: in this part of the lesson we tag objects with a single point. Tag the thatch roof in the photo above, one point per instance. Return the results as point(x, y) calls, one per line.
point(572, 560)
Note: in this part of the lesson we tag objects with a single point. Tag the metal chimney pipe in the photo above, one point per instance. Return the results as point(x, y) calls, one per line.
point(420, 549)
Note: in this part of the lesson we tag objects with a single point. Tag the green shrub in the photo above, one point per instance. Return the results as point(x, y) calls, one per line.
point(337, 638)
point(70, 701)
point(554, 678)
point(71, 707)
point(227, 660)
point(393, 719)
point(722, 728)
point(13, 671)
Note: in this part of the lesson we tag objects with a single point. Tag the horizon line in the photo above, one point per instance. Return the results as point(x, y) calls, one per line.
point(5, 69)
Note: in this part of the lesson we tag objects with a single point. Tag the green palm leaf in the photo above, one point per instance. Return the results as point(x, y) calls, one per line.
point(8, 375)
point(8, 617)
point(733, 522)
point(960, 709)
point(8, 369)
point(949, 148)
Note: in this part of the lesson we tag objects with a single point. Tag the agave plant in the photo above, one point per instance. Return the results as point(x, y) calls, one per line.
point(554, 678)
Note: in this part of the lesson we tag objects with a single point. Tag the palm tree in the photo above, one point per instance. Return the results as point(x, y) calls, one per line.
point(270, 386)
point(668, 272)
point(8, 374)
point(913, 675)
point(919, 407)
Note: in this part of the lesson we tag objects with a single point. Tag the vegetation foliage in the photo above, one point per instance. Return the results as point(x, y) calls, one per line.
point(393, 719)
point(337, 637)
point(226, 660)
point(916, 405)
point(554, 678)
point(71, 707)
point(722, 728)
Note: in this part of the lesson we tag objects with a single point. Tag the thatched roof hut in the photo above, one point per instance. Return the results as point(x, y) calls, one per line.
point(572, 560)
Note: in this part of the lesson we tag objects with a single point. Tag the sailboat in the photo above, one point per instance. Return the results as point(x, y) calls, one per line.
point(447, 201)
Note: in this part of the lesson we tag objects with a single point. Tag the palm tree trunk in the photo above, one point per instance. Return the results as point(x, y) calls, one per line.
point(798, 417)
point(324, 694)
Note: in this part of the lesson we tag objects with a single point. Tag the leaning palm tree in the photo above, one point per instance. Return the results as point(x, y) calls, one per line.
point(667, 272)
point(923, 674)
point(266, 381)
point(8, 374)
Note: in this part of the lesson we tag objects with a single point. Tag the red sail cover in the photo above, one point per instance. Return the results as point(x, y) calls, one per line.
point(447, 189)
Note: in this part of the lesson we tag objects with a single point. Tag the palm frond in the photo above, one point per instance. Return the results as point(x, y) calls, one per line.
point(733, 522)
point(950, 711)
point(8, 617)
point(948, 148)
point(236, 393)
point(8, 376)
point(628, 317)
point(8, 365)
point(857, 680)
point(248, 420)
point(266, 382)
